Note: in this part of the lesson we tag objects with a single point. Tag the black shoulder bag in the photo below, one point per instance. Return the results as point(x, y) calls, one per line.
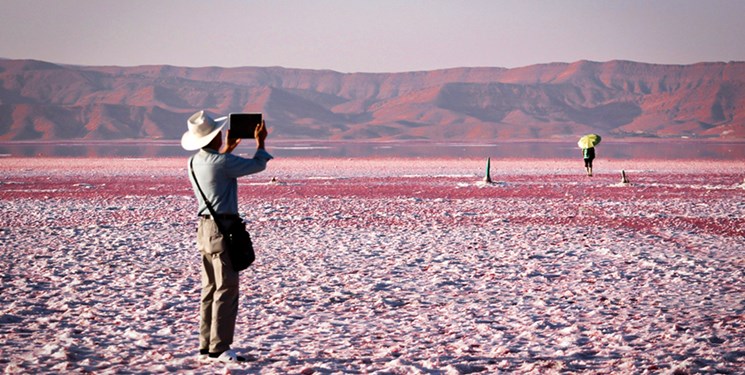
point(239, 245)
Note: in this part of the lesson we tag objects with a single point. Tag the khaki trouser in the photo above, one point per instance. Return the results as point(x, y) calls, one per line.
point(219, 290)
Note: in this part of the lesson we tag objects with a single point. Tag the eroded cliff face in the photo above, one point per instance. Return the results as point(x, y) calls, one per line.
point(45, 101)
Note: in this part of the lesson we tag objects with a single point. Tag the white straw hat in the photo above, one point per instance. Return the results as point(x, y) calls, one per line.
point(202, 129)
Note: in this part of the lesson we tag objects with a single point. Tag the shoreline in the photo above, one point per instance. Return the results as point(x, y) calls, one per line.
point(523, 149)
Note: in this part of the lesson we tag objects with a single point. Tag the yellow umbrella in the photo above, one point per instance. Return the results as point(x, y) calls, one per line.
point(589, 141)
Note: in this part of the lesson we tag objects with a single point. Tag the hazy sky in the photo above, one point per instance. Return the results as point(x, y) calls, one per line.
point(372, 35)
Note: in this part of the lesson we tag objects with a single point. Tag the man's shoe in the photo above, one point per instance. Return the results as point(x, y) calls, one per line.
point(227, 356)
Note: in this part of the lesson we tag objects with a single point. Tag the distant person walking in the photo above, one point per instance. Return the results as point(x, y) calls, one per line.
point(589, 155)
point(216, 170)
point(587, 143)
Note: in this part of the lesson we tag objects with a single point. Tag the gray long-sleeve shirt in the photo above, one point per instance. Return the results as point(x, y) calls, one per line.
point(217, 174)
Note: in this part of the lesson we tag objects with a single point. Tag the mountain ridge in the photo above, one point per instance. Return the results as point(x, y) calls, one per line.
point(46, 101)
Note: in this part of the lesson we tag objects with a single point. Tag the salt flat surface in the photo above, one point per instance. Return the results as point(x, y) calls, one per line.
point(381, 266)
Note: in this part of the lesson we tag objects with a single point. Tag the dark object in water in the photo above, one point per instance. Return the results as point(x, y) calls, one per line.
point(487, 178)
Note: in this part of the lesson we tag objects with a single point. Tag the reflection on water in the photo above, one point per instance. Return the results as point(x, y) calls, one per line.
point(657, 149)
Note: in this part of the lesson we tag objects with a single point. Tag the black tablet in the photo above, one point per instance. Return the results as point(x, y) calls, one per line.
point(243, 125)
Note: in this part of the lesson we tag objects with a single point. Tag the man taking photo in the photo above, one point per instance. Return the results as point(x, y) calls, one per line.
point(216, 170)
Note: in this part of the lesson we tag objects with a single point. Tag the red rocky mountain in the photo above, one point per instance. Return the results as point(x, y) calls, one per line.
point(46, 101)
